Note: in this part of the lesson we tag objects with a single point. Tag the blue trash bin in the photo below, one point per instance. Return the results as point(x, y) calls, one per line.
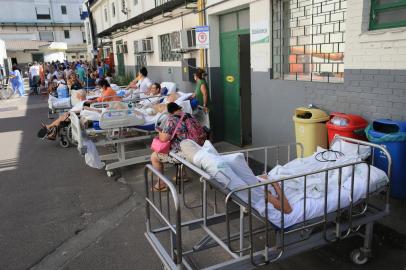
point(392, 135)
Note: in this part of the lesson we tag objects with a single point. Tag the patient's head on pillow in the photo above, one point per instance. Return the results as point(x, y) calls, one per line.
point(189, 149)
point(172, 97)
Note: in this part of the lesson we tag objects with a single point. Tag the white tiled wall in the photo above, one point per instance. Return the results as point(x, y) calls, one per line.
point(379, 49)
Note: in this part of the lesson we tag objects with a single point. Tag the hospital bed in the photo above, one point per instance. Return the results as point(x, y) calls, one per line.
point(118, 128)
point(270, 235)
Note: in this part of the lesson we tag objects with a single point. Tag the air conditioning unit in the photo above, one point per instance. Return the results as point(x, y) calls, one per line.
point(143, 46)
point(183, 41)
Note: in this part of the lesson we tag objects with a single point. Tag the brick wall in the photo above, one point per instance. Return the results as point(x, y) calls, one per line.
point(365, 49)
point(371, 93)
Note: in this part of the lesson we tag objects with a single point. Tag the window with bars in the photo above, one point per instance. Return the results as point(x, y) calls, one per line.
point(66, 34)
point(308, 40)
point(387, 14)
point(63, 10)
point(167, 55)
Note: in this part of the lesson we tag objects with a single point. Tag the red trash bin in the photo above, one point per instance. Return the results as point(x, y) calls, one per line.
point(347, 125)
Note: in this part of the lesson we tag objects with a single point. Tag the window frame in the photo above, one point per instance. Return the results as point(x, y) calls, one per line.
point(64, 10)
point(43, 16)
point(376, 8)
point(167, 56)
point(66, 34)
point(113, 9)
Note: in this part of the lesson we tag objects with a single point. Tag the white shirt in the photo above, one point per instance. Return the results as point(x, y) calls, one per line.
point(144, 85)
point(34, 71)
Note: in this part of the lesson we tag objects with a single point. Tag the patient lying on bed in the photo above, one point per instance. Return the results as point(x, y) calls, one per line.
point(207, 154)
point(232, 172)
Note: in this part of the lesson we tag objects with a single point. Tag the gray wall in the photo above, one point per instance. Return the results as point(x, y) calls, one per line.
point(273, 103)
point(370, 93)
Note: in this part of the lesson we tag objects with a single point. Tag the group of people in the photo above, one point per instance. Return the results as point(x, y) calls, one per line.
point(179, 125)
point(54, 76)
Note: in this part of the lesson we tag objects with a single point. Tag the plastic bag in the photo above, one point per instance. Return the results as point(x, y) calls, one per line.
point(390, 137)
point(92, 157)
point(202, 117)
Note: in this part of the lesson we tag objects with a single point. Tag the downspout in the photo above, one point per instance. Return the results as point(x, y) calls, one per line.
point(201, 7)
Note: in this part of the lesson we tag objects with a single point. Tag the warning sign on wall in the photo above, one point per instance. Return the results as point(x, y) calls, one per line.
point(202, 37)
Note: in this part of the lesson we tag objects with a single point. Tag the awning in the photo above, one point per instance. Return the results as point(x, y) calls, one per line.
point(34, 45)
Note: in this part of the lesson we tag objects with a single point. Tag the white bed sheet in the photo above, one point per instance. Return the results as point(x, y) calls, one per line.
point(233, 172)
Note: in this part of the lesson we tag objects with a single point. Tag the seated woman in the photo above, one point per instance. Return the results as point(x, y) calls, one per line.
point(74, 83)
point(108, 94)
point(62, 90)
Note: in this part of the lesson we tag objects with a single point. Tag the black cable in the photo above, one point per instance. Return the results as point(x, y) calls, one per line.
point(320, 157)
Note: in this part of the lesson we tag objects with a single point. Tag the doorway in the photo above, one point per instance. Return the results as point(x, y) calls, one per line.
point(120, 58)
point(38, 57)
point(235, 65)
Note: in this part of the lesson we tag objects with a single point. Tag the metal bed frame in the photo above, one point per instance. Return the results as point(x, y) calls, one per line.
point(120, 158)
point(306, 235)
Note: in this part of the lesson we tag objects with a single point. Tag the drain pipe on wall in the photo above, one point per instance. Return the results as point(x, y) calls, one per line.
point(202, 52)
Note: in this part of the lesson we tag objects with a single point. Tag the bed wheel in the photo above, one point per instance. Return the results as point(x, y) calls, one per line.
point(359, 257)
point(64, 143)
point(110, 173)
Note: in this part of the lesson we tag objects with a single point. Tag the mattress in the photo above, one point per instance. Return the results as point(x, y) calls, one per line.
point(235, 173)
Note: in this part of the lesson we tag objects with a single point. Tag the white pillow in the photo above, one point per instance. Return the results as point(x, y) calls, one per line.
point(240, 167)
point(351, 149)
point(170, 86)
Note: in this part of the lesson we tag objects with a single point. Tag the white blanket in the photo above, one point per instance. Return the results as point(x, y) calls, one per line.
point(233, 172)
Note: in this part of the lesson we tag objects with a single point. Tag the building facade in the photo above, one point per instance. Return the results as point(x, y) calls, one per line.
point(267, 57)
point(58, 21)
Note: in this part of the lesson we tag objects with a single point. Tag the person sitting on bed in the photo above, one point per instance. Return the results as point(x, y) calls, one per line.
point(108, 94)
point(190, 150)
point(153, 97)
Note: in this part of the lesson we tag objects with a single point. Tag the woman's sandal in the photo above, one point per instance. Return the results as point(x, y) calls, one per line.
point(159, 189)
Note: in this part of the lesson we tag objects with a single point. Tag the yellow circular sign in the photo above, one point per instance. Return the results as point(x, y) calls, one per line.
point(230, 79)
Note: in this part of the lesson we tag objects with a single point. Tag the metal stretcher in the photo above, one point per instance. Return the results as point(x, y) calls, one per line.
point(262, 242)
point(116, 135)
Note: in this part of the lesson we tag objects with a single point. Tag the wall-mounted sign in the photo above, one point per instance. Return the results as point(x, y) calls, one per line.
point(260, 32)
point(202, 37)
point(230, 79)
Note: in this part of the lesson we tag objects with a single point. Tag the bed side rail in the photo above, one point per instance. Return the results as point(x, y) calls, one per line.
point(307, 224)
point(155, 202)
point(76, 131)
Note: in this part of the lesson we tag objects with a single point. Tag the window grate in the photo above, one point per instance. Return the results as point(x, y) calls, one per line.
point(308, 40)
point(166, 51)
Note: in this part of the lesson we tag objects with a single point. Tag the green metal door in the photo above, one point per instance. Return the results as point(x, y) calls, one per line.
point(231, 86)
point(230, 73)
point(120, 60)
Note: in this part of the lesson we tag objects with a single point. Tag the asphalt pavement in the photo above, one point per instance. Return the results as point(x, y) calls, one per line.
point(57, 213)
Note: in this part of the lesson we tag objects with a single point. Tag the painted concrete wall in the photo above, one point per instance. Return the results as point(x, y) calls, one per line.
point(24, 11)
point(22, 57)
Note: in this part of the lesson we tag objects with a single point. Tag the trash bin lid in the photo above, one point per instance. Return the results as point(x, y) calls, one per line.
point(310, 115)
point(386, 130)
point(354, 121)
